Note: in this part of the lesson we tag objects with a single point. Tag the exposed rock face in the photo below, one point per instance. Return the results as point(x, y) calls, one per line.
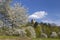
point(54, 35)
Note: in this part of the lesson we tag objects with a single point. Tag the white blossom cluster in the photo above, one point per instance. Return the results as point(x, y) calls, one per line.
point(32, 31)
point(54, 34)
point(12, 16)
point(43, 35)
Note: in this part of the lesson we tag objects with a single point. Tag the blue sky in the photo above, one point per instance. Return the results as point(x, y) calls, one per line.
point(43, 7)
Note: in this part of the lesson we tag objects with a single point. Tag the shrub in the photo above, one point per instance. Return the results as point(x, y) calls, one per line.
point(54, 35)
point(43, 35)
point(38, 31)
point(31, 32)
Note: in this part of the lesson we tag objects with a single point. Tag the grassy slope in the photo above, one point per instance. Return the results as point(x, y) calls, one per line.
point(45, 39)
point(19, 38)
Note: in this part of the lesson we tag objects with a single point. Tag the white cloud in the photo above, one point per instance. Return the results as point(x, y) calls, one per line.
point(38, 14)
point(47, 21)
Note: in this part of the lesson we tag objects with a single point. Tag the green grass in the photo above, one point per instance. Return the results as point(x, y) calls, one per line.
point(19, 38)
point(45, 39)
point(8, 37)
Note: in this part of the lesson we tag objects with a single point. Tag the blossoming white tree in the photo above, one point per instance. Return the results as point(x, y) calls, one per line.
point(19, 14)
point(13, 16)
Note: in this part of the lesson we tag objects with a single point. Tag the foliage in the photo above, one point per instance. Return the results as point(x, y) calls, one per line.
point(38, 31)
point(31, 32)
point(48, 28)
point(13, 15)
point(19, 14)
point(28, 33)
point(16, 17)
point(36, 24)
point(54, 35)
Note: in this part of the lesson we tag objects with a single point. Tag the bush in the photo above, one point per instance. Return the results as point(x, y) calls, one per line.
point(54, 35)
point(59, 34)
point(28, 33)
point(43, 35)
point(38, 31)
point(31, 32)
